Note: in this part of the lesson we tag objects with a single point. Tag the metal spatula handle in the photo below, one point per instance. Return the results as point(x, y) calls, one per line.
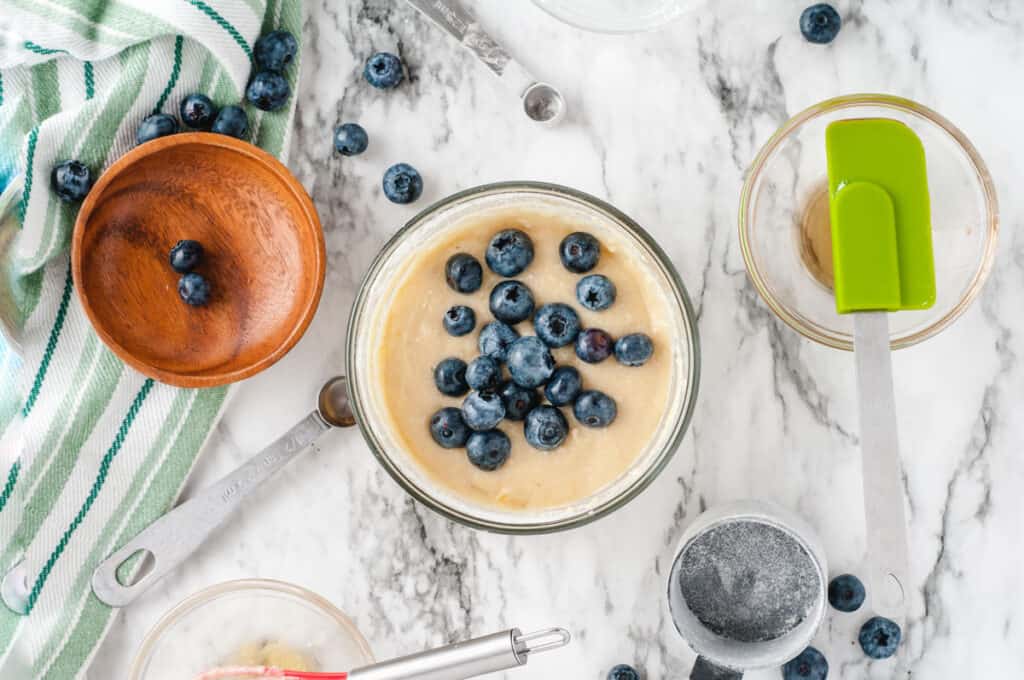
point(488, 654)
point(885, 520)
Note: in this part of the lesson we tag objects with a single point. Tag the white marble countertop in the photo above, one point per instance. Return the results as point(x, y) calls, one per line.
point(663, 126)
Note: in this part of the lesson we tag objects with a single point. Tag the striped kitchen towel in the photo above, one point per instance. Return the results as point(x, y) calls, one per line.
point(91, 451)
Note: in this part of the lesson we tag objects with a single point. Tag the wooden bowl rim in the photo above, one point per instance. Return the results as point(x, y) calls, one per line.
point(214, 379)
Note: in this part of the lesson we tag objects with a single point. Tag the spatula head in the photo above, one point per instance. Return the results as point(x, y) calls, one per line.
point(881, 216)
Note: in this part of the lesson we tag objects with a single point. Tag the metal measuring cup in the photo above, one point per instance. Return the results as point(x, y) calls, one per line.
point(723, 658)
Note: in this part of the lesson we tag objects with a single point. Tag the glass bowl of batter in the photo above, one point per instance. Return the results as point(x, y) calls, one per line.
point(785, 232)
point(395, 338)
point(251, 622)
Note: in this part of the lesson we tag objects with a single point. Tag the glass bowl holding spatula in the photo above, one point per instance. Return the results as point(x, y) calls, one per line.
point(869, 222)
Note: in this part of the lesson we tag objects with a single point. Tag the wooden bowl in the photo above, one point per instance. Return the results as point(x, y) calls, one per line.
point(264, 258)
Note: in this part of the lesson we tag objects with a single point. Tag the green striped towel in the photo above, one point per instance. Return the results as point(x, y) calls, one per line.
point(91, 451)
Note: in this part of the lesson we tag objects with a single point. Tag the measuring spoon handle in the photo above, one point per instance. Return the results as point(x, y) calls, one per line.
point(175, 536)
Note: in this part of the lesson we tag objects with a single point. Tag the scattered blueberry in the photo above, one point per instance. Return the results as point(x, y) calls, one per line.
point(846, 593)
point(488, 450)
point(595, 409)
point(197, 111)
point(185, 255)
point(463, 273)
point(495, 339)
point(459, 320)
point(530, 362)
point(71, 180)
point(879, 637)
point(595, 292)
point(275, 50)
point(511, 302)
point(194, 289)
point(623, 672)
point(556, 324)
point(545, 428)
point(483, 410)
point(633, 349)
point(450, 377)
point(383, 70)
point(157, 125)
point(232, 121)
point(593, 345)
point(509, 253)
point(483, 373)
point(810, 665)
point(579, 252)
point(350, 139)
point(448, 428)
point(564, 386)
point(402, 183)
point(820, 23)
point(268, 91)
point(518, 400)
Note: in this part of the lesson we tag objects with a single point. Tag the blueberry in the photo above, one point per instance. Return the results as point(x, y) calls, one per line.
point(350, 139)
point(275, 50)
point(593, 345)
point(488, 450)
point(71, 180)
point(483, 410)
point(820, 23)
point(545, 428)
point(518, 400)
point(459, 320)
point(579, 252)
point(623, 672)
point(232, 121)
point(530, 362)
point(564, 386)
point(402, 183)
point(633, 349)
point(509, 253)
point(483, 373)
point(595, 409)
point(185, 256)
point(810, 665)
point(556, 324)
point(511, 302)
point(157, 125)
point(463, 273)
point(879, 637)
point(450, 377)
point(448, 428)
point(268, 91)
point(194, 289)
point(846, 593)
point(197, 111)
point(383, 70)
point(495, 339)
point(595, 292)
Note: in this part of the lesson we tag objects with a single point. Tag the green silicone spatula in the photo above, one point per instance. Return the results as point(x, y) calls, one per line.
point(882, 254)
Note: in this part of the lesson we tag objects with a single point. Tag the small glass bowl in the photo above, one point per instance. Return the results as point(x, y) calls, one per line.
point(210, 628)
point(787, 184)
point(366, 321)
point(617, 16)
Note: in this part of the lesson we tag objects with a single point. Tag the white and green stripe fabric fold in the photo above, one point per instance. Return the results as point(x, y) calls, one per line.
point(91, 452)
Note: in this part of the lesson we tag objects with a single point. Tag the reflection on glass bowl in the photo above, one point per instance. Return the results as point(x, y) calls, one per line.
point(617, 16)
point(783, 219)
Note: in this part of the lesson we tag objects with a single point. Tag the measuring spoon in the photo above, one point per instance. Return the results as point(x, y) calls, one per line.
point(171, 539)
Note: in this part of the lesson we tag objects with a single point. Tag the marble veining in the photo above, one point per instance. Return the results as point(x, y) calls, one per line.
point(662, 125)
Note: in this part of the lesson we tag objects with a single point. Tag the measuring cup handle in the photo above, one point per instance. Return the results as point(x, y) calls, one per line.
point(708, 670)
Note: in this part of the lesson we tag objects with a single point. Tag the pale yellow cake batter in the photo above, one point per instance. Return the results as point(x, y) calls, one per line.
point(414, 341)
